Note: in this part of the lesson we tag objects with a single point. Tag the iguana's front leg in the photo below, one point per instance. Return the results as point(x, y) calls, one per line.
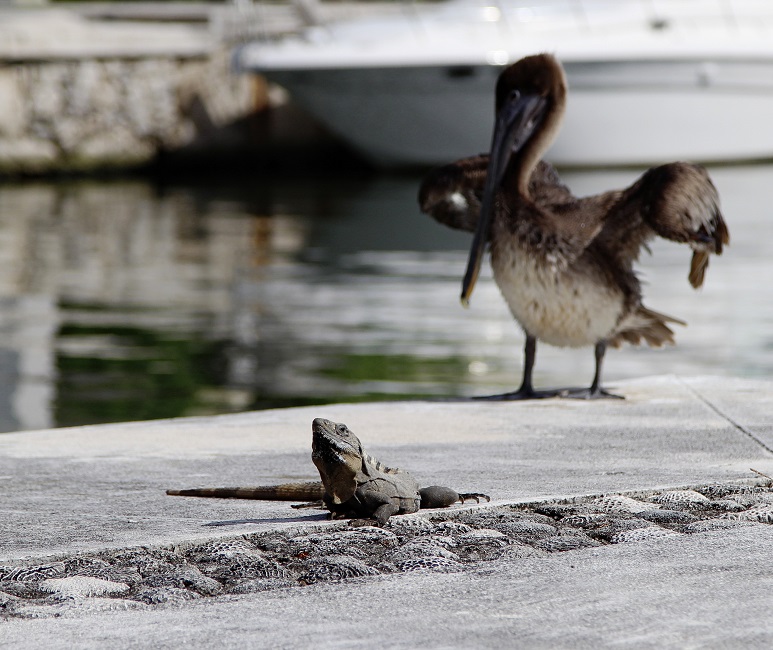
point(379, 505)
point(382, 507)
point(375, 505)
point(380, 517)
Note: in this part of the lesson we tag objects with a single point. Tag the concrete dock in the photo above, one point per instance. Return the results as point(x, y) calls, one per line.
point(73, 492)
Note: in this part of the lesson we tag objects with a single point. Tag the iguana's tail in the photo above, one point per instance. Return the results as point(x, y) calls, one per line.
point(311, 491)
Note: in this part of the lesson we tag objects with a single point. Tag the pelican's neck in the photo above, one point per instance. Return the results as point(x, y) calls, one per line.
point(531, 153)
point(524, 166)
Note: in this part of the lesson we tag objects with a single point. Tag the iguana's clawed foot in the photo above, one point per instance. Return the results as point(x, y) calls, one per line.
point(359, 523)
point(356, 523)
point(473, 495)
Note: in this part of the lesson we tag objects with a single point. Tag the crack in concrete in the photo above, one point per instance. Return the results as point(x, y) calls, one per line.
point(725, 416)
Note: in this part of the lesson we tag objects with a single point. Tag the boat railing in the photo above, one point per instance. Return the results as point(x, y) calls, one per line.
point(246, 20)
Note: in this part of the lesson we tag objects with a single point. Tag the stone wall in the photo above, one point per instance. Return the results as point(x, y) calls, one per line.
point(76, 115)
point(75, 96)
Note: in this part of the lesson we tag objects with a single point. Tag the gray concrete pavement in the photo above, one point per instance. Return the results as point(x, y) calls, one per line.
point(90, 488)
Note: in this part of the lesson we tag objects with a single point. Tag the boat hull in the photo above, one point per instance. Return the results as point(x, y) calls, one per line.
point(619, 112)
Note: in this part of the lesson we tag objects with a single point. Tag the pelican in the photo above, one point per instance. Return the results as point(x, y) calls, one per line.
point(563, 264)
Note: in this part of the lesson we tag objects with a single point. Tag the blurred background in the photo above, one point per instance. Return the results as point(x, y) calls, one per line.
point(211, 207)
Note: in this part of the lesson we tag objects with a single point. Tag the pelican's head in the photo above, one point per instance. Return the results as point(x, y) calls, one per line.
point(530, 101)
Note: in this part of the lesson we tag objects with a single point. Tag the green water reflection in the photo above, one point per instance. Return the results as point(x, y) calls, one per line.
point(149, 375)
point(146, 375)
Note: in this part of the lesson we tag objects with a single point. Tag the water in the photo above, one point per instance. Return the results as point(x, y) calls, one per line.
point(123, 300)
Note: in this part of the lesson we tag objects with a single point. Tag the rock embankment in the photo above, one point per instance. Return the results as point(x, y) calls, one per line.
point(442, 541)
point(77, 95)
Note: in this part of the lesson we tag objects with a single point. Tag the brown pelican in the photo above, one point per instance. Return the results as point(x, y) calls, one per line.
point(564, 264)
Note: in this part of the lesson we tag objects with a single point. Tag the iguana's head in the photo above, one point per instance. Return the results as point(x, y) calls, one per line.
point(337, 453)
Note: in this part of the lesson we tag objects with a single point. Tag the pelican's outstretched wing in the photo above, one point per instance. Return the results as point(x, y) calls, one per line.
point(452, 194)
point(678, 202)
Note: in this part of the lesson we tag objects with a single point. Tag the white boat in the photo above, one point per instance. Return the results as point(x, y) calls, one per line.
point(649, 81)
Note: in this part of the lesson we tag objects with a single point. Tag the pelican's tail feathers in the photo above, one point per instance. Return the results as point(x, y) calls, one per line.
point(645, 325)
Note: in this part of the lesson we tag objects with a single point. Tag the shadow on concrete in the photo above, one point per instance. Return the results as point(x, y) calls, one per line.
point(270, 520)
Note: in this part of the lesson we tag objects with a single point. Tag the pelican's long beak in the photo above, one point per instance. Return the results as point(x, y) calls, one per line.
point(516, 121)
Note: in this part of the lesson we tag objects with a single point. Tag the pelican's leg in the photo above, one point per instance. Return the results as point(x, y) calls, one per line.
point(529, 355)
point(595, 391)
point(526, 391)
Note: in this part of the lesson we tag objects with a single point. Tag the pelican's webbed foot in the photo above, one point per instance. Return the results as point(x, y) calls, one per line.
point(595, 391)
point(591, 393)
point(521, 394)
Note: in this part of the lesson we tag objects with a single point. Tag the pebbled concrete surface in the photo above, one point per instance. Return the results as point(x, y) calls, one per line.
point(708, 591)
point(92, 488)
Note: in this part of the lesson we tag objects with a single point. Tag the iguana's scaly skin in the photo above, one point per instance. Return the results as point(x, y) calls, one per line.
point(354, 483)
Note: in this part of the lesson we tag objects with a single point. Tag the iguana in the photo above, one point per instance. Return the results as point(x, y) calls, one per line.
point(354, 484)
